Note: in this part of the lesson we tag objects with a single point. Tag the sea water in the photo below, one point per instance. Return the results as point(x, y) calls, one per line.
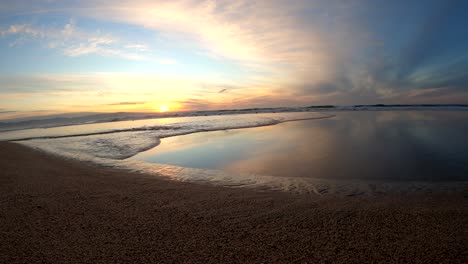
point(368, 145)
point(350, 152)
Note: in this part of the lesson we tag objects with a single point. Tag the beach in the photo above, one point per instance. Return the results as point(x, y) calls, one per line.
point(55, 210)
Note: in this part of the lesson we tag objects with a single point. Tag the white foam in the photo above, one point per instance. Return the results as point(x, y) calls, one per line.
point(301, 185)
point(88, 148)
point(108, 144)
point(121, 140)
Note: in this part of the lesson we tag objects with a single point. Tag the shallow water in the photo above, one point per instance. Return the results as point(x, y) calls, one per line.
point(123, 139)
point(365, 145)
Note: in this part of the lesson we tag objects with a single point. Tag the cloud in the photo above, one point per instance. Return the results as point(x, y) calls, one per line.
point(74, 42)
point(66, 91)
point(290, 52)
point(318, 57)
point(126, 103)
point(267, 36)
point(197, 104)
point(23, 29)
point(43, 84)
point(264, 35)
point(432, 38)
point(93, 45)
point(4, 111)
point(138, 47)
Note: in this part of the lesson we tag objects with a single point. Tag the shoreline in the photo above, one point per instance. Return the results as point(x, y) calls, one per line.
point(318, 109)
point(256, 182)
point(139, 129)
point(61, 210)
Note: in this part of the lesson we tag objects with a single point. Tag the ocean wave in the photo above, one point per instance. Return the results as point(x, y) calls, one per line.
point(120, 144)
point(95, 147)
point(112, 148)
point(95, 118)
point(136, 129)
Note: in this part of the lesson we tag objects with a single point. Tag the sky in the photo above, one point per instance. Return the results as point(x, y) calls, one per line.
point(183, 55)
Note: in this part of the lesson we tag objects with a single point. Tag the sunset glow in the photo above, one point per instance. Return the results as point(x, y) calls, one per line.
point(107, 56)
point(163, 108)
point(233, 131)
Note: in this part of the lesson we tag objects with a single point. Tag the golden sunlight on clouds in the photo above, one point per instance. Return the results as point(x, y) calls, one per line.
point(268, 52)
point(125, 92)
point(263, 36)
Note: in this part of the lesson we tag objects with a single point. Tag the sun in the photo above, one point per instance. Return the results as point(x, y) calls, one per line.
point(163, 108)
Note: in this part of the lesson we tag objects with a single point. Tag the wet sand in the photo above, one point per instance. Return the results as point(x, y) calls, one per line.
point(58, 211)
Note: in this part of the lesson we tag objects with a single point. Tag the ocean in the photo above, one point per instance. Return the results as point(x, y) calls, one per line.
point(329, 152)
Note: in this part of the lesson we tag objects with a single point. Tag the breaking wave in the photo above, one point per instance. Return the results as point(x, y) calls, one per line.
point(125, 139)
point(110, 144)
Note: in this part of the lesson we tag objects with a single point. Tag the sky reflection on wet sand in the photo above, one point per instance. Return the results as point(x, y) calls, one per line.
point(407, 146)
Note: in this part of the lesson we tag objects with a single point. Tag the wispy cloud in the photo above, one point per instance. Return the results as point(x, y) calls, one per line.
point(4, 111)
point(93, 88)
point(264, 35)
point(138, 47)
point(73, 41)
point(269, 38)
point(126, 103)
point(292, 52)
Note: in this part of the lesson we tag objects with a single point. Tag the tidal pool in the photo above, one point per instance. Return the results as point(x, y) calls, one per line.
point(362, 145)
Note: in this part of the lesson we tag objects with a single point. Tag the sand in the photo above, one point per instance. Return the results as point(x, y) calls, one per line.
point(58, 211)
